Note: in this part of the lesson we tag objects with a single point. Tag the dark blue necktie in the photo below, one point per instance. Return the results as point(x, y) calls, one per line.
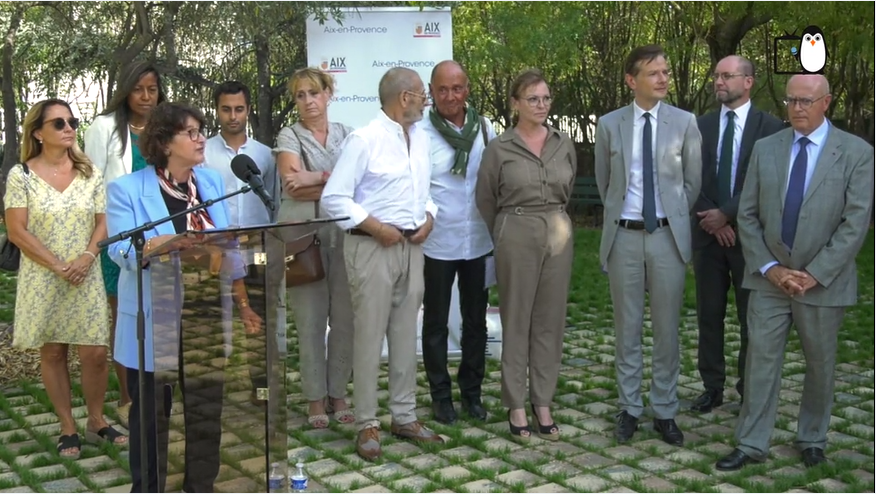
point(649, 216)
point(726, 161)
point(795, 194)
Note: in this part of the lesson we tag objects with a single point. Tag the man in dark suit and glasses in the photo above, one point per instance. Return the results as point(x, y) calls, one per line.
point(728, 137)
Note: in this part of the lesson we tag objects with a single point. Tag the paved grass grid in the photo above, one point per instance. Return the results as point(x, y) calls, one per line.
point(480, 456)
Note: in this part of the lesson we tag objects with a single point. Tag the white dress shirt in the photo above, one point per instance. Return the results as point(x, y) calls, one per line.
point(814, 148)
point(378, 175)
point(244, 209)
point(633, 204)
point(740, 114)
point(460, 233)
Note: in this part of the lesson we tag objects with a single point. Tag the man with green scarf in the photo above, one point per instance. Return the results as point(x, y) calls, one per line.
point(459, 245)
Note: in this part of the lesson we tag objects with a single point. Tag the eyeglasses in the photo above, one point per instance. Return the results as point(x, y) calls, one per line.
point(423, 95)
point(59, 123)
point(194, 134)
point(727, 76)
point(533, 101)
point(804, 102)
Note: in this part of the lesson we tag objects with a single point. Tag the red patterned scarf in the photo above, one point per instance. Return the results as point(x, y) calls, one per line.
point(199, 220)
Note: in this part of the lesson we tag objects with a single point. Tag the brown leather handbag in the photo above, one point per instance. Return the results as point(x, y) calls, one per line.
point(305, 266)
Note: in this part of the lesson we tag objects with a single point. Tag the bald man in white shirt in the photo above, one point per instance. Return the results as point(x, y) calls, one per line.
point(381, 182)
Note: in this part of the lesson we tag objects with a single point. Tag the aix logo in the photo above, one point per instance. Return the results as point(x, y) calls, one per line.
point(334, 65)
point(427, 30)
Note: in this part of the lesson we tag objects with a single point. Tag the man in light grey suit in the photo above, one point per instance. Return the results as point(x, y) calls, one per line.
point(804, 212)
point(648, 193)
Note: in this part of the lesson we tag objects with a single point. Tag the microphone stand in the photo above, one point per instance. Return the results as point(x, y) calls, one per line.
point(139, 242)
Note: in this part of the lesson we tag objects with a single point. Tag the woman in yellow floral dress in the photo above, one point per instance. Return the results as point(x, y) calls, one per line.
point(55, 213)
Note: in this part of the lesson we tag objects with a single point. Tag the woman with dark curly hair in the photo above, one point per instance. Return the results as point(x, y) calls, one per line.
point(172, 141)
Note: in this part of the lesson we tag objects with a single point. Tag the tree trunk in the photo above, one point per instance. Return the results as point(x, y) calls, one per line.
point(263, 123)
point(10, 110)
point(724, 36)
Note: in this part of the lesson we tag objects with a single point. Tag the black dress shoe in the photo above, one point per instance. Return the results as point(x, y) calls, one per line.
point(443, 411)
point(670, 433)
point(813, 457)
point(474, 409)
point(707, 401)
point(625, 426)
point(735, 460)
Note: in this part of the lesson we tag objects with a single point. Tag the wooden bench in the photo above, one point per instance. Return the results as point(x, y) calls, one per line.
point(584, 194)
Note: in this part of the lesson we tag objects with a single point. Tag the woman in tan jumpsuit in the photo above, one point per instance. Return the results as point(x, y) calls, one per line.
point(524, 185)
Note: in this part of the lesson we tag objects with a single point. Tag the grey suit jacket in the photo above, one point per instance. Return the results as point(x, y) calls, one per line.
point(832, 224)
point(678, 164)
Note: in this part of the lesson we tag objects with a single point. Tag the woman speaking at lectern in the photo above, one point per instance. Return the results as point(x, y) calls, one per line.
point(173, 143)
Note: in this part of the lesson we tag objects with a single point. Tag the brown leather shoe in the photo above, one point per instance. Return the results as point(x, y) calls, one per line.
point(415, 431)
point(368, 444)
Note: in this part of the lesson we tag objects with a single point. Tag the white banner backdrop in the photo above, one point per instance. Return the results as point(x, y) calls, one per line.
point(370, 41)
point(358, 51)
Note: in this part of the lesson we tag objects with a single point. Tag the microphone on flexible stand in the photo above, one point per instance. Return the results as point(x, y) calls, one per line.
point(245, 169)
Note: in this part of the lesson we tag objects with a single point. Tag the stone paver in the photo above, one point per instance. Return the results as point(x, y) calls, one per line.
point(425, 462)
point(549, 488)
point(656, 484)
point(344, 481)
point(729, 488)
point(520, 477)
point(482, 486)
point(588, 483)
point(453, 473)
point(67, 485)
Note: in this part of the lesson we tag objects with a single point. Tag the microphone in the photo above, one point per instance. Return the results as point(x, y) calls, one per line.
point(245, 169)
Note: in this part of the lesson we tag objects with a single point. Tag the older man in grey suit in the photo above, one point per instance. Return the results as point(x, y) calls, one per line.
point(648, 193)
point(804, 212)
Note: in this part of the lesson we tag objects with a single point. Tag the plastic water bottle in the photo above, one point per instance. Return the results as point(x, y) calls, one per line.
point(298, 482)
point(275, 479)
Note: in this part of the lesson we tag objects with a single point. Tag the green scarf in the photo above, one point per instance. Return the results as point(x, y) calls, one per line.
point(462, 143)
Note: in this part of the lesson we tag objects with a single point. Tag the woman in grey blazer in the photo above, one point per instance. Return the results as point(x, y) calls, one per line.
point(111, 144)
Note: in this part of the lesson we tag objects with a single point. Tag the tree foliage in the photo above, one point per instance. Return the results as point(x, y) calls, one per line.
point(70, 48)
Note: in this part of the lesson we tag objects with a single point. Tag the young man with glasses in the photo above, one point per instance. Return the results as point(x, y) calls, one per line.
point(728, 137)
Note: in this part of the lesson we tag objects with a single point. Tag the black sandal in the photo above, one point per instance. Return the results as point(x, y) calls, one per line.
point(69, 442)
point(517, 431)
point(107, 434)
point(545, 432)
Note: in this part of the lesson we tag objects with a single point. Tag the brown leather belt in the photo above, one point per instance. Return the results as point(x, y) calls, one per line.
point(638, 225)
point(405, 232)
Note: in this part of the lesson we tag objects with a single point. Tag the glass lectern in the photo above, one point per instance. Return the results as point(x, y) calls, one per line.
point(224, 375)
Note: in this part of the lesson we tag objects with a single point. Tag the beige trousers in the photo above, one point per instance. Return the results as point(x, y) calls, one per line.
point(323, 371)
point(534, 256)
point(386, 289)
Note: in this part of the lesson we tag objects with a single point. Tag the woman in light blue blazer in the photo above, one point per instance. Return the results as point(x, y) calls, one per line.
point(173, 143)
